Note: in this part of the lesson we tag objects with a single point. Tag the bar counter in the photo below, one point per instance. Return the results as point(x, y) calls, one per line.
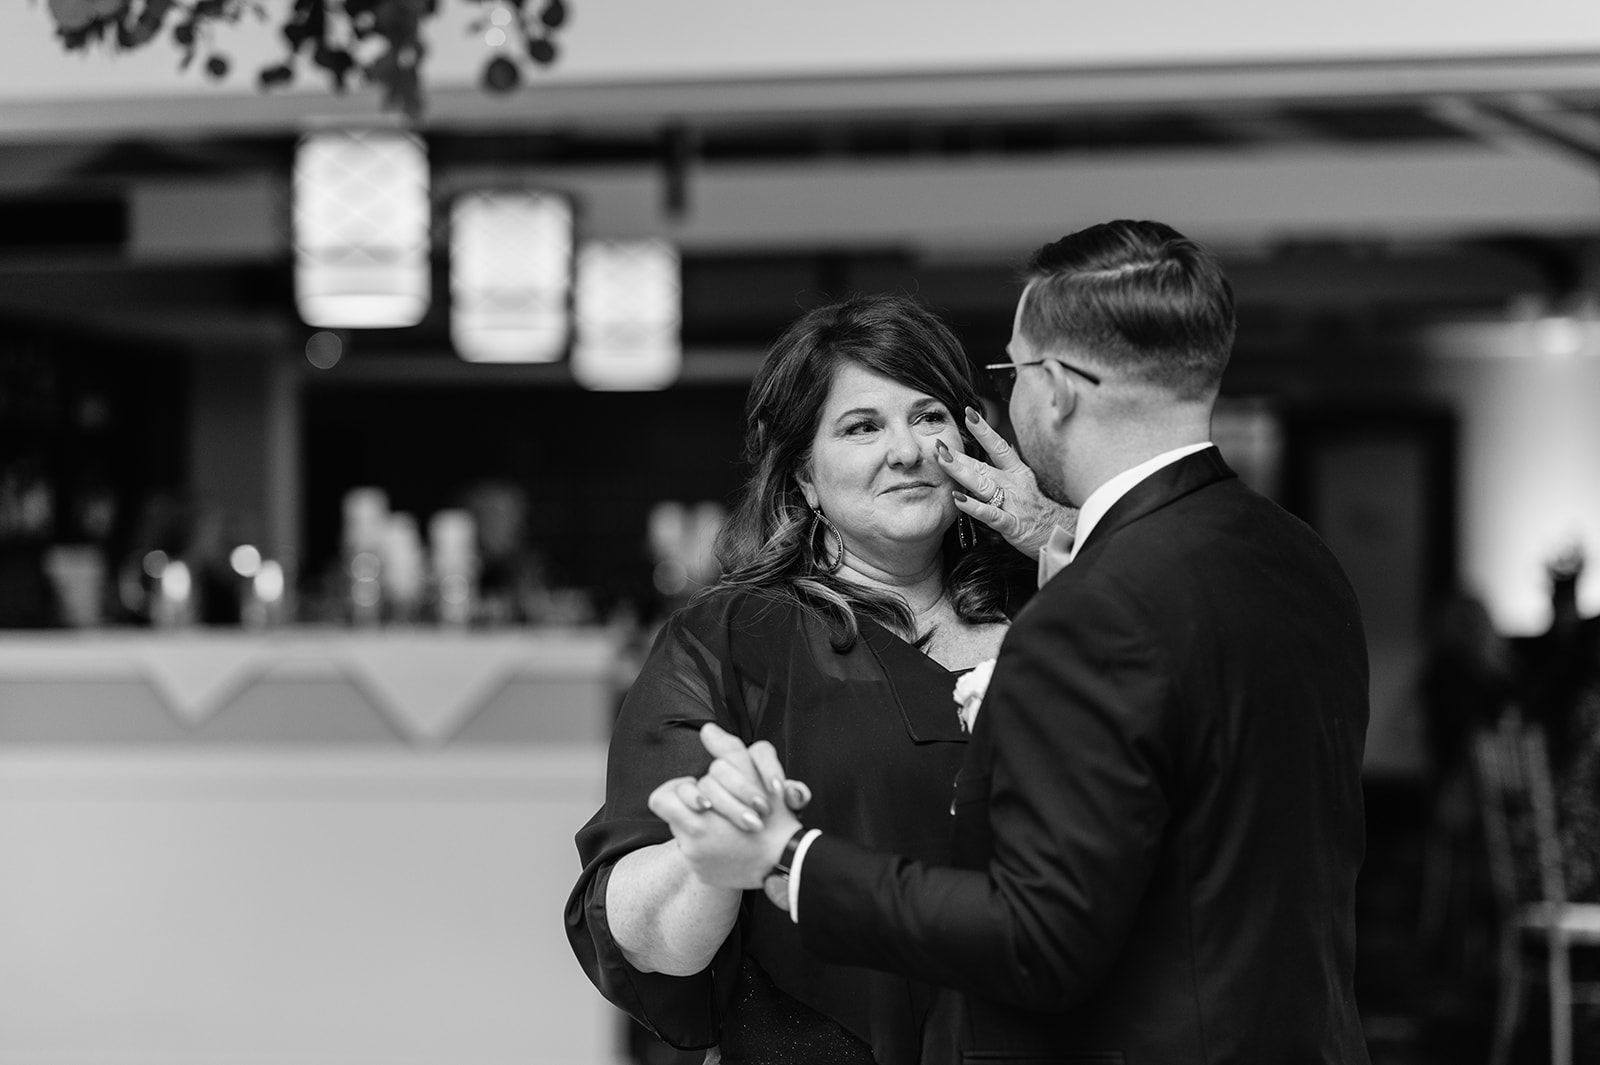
point(303, 846)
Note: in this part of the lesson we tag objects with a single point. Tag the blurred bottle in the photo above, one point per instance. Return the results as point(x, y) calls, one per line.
point(77, 561)
point(269, 595)
point(401, 569)
point(452, 536)
point(366, 515)
point(78, 572)
point(174, 602)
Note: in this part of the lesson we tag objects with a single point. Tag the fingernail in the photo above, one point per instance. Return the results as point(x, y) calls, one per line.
point(703, 803)
point(972, 416)
point(775, 785)
point(959, 497)
point(750, 821)
point(944, 452)
point(760, 804)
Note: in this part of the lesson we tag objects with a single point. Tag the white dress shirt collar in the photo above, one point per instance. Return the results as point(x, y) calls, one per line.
point(1102, 499)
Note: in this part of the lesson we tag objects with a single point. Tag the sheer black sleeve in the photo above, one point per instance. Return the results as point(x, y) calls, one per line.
point(656, 737)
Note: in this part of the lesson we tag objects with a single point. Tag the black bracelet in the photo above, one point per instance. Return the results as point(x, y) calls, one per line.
point(790, 849)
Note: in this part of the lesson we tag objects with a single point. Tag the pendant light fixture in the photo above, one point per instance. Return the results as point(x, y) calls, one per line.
point(629, 300)
point(510, 275)
point(361, 219)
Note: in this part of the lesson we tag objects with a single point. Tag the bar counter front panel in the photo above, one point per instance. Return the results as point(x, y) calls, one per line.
point(328, 847)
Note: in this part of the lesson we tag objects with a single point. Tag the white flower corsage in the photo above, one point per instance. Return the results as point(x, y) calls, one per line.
point(970, 687)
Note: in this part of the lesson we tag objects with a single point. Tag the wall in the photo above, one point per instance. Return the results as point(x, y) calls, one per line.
point(1530, 464)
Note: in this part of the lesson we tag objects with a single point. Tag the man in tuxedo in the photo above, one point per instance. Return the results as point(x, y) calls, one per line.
point(1159, 819)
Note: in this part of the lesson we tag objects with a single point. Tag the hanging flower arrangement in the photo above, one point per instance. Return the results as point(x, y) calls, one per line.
point(378, 41)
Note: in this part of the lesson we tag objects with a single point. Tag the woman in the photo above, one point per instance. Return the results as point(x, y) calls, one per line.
point(851, 599)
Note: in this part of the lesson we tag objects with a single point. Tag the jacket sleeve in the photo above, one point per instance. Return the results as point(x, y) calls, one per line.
point(656, 737)
point(1068, 773)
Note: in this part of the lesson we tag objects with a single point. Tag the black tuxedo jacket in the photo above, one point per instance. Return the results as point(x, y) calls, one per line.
point(1158, 822)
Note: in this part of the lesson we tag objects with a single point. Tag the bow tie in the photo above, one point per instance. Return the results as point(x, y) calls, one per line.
point(1056, 554)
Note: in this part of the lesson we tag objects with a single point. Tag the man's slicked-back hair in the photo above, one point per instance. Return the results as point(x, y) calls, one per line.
point(1137, 297)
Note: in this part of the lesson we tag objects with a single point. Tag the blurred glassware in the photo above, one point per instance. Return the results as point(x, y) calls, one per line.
point(78, 572)
point(267, 603)
point(402, 568)
point(173, 605)
point(27, 502)
point(452, 537)
point(366, 514)
point(366, 510)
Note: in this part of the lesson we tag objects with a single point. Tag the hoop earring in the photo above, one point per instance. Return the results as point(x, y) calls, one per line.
point(966, 532)
point(828, 527)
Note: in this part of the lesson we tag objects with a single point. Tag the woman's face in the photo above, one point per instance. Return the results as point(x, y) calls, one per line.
point(873, 470)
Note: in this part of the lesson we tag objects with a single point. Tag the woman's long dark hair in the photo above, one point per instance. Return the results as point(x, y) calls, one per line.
point(768, 543)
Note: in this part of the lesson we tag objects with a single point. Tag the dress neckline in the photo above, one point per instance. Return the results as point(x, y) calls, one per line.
point(903, 644)
point(922, 688)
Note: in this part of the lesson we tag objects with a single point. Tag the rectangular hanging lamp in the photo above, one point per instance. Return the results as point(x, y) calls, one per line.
point(629, 302)
point(361, 220)
point(510, 275)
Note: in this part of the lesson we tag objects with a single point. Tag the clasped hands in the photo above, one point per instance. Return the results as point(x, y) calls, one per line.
point(732, 823)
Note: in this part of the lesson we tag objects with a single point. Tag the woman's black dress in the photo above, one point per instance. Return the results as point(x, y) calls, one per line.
point(874, 732)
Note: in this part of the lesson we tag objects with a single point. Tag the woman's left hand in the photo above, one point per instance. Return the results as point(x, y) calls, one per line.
point(1024, 515)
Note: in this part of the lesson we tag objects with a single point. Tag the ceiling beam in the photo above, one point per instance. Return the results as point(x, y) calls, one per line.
point(650, 104)
point(983, 207)
point(1510, 131)
point(1577, 128)
point(1005, 206)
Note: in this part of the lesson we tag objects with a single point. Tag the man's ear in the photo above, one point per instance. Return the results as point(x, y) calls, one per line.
point(1064, 387)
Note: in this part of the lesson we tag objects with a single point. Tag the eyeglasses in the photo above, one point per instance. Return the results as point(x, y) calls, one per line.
point(1004, 374)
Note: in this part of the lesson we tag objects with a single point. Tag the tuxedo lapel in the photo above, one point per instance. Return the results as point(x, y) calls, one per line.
point(1170, 482)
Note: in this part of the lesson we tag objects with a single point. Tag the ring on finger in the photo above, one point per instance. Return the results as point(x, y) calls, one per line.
point(998, 500)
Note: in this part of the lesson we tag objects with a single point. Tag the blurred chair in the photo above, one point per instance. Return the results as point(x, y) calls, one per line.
point(1519, 820)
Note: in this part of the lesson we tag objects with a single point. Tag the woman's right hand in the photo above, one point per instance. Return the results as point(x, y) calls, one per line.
point(1026, 516)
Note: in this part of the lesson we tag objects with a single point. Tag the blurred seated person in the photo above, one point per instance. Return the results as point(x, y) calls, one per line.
point(513, 584)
